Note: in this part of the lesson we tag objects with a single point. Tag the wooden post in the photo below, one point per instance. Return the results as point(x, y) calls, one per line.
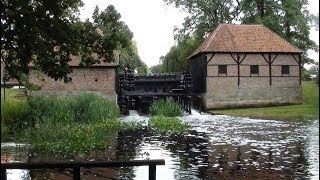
point(3, 173)
point(4, 90)
point(300, 68)
point(238, 65)
point(189, 108)
point(76, 173)
point(270, 72)
point(152, 172)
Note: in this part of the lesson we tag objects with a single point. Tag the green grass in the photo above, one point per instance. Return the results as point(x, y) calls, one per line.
point(14, 117)
point(12, 94)
point(308, 110)
point(168, 124)
point(61, 126)
point(165, 107)
point(72, 138)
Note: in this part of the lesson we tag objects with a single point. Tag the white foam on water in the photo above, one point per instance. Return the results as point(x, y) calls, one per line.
point(135, 117)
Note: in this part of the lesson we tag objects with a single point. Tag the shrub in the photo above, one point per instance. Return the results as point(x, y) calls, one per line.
point(165, 107)
point(165, 124)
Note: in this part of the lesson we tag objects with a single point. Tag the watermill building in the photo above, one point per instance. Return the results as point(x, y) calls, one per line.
point(246, 65)
point(99, 79)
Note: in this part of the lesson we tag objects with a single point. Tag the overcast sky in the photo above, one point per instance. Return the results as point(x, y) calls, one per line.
point(152, 23)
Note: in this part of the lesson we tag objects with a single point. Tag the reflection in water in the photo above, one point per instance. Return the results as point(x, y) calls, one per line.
point(218, 147)
point(228, 147)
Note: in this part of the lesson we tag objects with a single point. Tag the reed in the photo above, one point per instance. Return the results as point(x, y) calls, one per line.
point(165, 107)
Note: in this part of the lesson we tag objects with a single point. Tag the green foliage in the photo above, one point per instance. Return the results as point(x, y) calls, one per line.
point(306, 75)
point(63, 126)
point(46, 33)
point(176, 60)
point(12, 94)
point(50, 109)
point(315, 21)
point(14, 117)
point(72, 138)
point(168, 124)
point(90, 107)
point(204, 15)
point(165, 107)
point(156, 68)
point(130, 59)
point(81, 108)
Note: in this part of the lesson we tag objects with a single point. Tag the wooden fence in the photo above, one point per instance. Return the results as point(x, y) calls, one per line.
point(76, 166)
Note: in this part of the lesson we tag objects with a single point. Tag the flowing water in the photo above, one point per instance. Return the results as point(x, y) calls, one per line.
point(217, 147)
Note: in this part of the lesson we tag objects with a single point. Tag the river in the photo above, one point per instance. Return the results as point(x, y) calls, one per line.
point(217, 147)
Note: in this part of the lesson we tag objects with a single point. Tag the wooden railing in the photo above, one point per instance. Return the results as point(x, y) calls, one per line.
point(76, 166)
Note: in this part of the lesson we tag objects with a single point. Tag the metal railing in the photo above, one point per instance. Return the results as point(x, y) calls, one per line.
point(76, 166)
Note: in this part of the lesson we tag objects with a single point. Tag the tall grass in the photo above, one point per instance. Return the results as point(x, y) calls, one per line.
point(72, 125)
point(90, 107)
point(164, 112)
point(50, 109)
point(165, 107)
point(83, 108)
point(14, 117)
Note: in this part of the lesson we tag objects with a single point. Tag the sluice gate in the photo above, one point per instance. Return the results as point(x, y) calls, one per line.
point(137, 92)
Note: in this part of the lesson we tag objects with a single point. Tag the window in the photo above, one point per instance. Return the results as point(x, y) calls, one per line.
point(222, 70)
point(254, 70)
point(285, 69)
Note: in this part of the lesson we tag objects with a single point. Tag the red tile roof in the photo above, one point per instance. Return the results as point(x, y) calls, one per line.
point(245, 38)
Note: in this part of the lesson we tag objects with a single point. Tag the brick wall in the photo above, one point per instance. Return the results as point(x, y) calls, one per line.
point(224, 91)
point(99, 80)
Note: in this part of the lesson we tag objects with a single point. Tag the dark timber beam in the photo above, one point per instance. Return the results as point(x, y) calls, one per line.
point(270, 61)
point(238, 61)
point(299, 63)
point(211, 58)
point(300, 68)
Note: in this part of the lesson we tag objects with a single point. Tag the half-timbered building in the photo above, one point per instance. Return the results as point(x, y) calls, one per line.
point(246, 65)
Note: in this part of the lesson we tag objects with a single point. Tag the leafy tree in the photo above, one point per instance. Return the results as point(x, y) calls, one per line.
point(46, 33)
point(176, 58)
point(314, 70)
point(204, 16)
point(130, 59)
point(118, 35)
point(156, 68)
point(314, 19)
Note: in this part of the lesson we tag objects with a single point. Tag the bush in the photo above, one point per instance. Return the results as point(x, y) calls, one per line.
point(168, 124)
point(165, 107)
